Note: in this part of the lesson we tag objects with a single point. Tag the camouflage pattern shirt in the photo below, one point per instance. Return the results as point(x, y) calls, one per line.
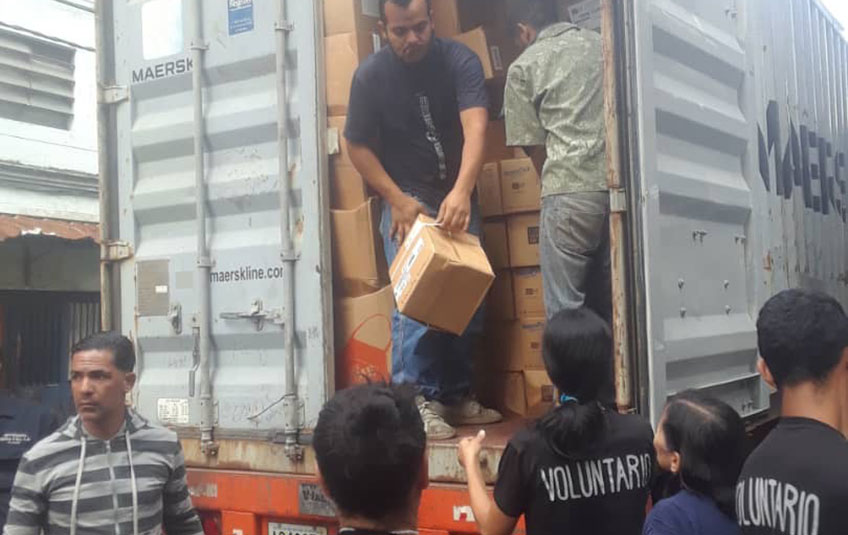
point(554, 97)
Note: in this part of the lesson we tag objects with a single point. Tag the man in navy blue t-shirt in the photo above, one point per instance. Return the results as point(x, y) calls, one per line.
point(416, 133)
point(22, 424)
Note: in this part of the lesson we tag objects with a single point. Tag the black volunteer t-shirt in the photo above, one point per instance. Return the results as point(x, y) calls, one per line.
point(796, 482)
point(409, 115)
point(605, 493)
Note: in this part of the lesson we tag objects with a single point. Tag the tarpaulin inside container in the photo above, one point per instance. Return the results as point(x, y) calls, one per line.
point(14, 226)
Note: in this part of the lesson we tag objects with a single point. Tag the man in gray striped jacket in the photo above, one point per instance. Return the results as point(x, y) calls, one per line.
point(107, 470)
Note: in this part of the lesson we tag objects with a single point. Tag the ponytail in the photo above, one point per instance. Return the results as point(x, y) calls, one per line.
point(577, 350)
point(571, 429)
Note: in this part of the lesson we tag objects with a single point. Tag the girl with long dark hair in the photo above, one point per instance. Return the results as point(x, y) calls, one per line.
point(701, 441)
point(581, 468)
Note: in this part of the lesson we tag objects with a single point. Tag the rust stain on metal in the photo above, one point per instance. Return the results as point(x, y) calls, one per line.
point(618, 266)
point(15, 226)
point(248, 455)
point(768, 262)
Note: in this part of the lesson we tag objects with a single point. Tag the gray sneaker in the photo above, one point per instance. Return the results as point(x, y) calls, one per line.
point(469, 412)
point(434, 424)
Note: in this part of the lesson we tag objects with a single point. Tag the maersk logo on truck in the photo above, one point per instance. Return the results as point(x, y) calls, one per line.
point(162, 70)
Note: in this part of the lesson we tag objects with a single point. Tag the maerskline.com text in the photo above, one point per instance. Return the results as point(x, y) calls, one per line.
point(246, 274)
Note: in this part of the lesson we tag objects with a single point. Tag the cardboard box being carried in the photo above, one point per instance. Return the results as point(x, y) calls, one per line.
point(516, 345)
point(501, 303)
point(357, 247)
point(440, 279)
point(496, 51)
point(523, 233)
point(495, 242)
point(489, 190)
point(529, 298)
point(363, 334)
point(342, 55)
point(521, 190)
point(347, 16)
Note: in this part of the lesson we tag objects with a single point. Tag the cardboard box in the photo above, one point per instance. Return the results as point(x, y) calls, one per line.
point(363, 334)
point(337, 144)
point(521, 189)
point(583, 13)
point(516, 345)
point(440, 279)
point(489, 190)
point(540, 393)
point(342, 55)
point(501, 304)
point(347, 188)
point(512, 393)
point(357, 247)
point(496, 51)
point(496, 149)
point(452, 17)
point(523, 231)
point(347, 16)
point(495, 242)
point(528, 394)
point(529, 297)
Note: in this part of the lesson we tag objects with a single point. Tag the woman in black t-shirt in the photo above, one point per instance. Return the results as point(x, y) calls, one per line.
point(581, 468)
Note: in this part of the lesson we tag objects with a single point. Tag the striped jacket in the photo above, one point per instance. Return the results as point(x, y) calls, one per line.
point(134, 483)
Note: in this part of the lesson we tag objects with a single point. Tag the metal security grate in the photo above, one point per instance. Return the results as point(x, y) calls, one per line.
point(36, 80)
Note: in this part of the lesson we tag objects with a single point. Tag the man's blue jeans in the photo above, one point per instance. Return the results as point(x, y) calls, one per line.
point(575, 256)
point(439, 364)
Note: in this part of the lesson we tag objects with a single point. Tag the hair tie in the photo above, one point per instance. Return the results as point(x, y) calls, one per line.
point(565, 398)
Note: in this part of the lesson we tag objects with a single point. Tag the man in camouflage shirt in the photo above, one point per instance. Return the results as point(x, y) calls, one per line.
point(554, 109)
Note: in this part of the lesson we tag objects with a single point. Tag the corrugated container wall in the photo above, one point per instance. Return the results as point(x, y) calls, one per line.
point(740, 181)
point(154, 210)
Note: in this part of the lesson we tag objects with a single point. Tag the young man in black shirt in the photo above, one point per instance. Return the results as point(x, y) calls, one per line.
point(370, 449)
point(416, 133)
point(796, 481)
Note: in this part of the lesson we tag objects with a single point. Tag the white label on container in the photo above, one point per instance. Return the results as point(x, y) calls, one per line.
point(463, 513)
point(497, 61)
point(371, 8)
point(161, 289)
point(173, 411)
point(161, 28)
point(275, 528)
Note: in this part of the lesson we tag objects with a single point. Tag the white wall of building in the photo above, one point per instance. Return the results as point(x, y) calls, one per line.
point(43, 147)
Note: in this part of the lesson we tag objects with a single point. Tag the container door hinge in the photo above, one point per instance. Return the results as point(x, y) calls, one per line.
point(114, 94)
point(115, 251)
point(618, 200)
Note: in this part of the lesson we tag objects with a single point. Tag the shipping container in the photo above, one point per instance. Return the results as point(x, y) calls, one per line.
point(726, 142)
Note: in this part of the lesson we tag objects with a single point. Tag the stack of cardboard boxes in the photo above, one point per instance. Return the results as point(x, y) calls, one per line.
point(364, 300)
point(510, 201)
